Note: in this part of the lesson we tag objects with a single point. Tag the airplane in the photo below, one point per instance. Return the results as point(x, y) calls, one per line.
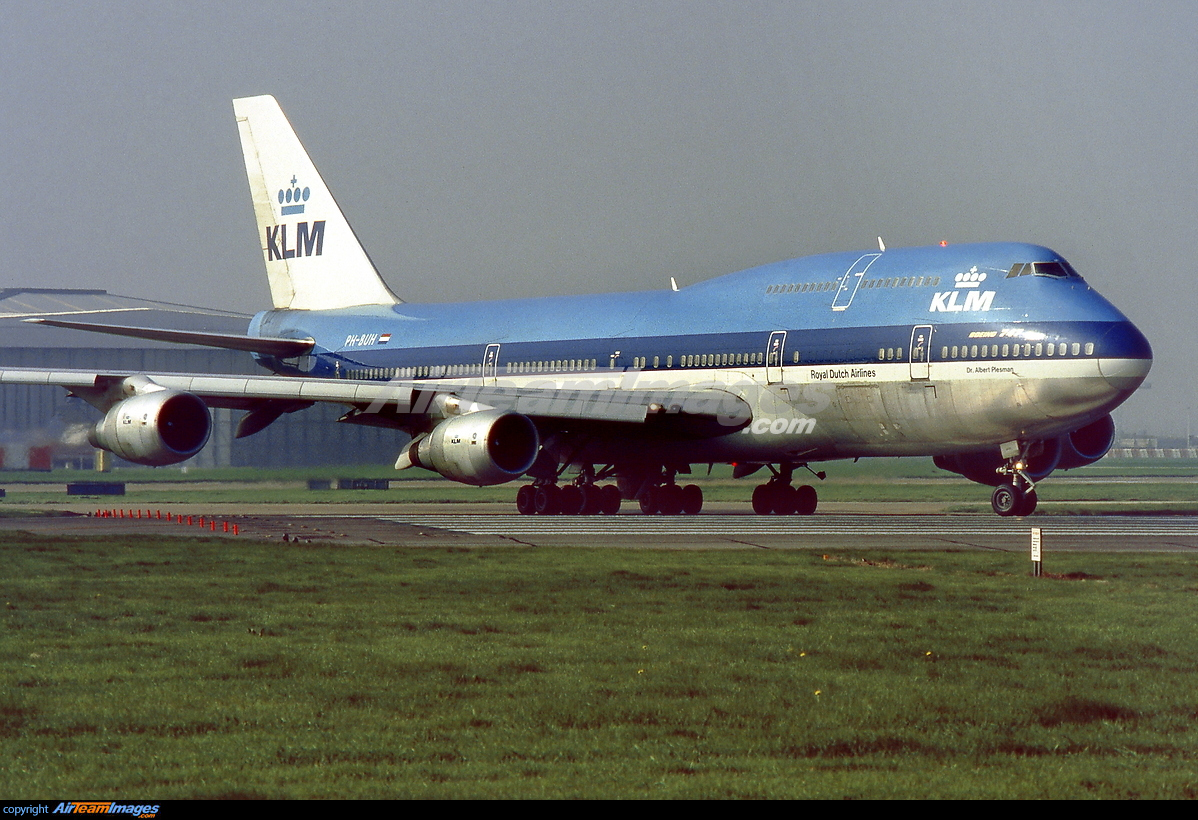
point(997, 360)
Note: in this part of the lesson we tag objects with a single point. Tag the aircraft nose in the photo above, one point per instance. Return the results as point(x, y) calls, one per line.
point(1127, 358)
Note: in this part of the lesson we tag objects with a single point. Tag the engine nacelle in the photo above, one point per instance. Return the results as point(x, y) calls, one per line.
point(483, 448)
point(1087, 444)
point(158, 428)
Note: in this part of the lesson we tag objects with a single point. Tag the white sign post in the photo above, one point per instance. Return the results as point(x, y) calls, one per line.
point(1037, 566)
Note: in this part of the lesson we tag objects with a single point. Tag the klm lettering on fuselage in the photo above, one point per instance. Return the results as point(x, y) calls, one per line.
point(308, 241)
point(947, 302)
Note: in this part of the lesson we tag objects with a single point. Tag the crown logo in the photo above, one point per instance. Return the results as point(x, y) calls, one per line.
point(292, 199)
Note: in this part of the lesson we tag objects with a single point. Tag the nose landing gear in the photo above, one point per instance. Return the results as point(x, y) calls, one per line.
point(1016, 495)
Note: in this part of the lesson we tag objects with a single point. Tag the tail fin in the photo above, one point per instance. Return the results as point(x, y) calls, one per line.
point(313, 259)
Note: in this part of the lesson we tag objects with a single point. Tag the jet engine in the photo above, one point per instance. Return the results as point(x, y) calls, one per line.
point(158, 428)
point(483, 448)
point(1087, 444)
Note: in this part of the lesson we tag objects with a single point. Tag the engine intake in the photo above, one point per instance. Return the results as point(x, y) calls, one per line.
point(156, 429)
point(1087, 444)
point(483, 448)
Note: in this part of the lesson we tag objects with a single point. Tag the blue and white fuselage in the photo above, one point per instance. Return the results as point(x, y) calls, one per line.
point(916, 351)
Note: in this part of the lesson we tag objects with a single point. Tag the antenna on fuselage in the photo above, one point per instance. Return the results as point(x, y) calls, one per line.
point(881, 244)
point(673, 284)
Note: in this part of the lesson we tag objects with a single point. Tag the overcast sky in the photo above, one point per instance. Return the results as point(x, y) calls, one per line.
point(485, 150)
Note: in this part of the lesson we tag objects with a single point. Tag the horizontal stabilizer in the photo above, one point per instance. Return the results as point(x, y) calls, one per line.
point(270, 346)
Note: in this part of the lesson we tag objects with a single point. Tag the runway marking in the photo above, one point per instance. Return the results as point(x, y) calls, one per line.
point(928, 526)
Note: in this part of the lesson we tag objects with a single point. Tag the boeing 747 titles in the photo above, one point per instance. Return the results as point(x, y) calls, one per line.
point(997, 360)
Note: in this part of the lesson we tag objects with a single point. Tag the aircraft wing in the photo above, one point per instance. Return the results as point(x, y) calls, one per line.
point(271, 346)
point(396, 402)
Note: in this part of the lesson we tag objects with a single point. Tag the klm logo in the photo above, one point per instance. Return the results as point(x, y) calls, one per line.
point(308, 237)
point(966, 283)
point(309, 241)
point(947, 302)
point(292, 199)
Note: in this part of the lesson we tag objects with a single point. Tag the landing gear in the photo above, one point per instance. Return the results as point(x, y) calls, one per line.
point(571, 499)
point(779, 497)
point(671, 499)
point(1016, 495)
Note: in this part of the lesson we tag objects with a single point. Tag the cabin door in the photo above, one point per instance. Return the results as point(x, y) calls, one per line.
point(490, 364)
point(773, 356)
point(921, 351)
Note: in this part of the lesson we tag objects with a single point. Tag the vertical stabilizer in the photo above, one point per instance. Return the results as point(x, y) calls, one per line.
point(313, 259)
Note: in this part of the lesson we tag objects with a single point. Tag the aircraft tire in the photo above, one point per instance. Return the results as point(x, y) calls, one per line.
point(806, 500)
point(1029, 503)
point(692, 499)
point(570, 500)
point(526, 500)
point(763, 502)
point(611, 499)
point(1006, 499)
point(670, 499)
point(592, 499)
point(649, 501)
point(785, 499)
point(546, 499)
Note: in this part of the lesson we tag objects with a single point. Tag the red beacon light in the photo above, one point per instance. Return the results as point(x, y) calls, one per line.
point(943, 243)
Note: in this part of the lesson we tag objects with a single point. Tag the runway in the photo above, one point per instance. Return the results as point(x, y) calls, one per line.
point(1135, 533)
point(483, 525)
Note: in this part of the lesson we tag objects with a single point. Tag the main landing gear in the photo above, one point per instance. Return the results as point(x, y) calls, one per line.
point(671, 499)
point(779, 497)
point(573, 499)
point(659, 495)
point(1016, 495)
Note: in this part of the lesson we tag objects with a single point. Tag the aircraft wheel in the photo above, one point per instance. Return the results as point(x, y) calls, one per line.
point(670, 499)
point(1006, 499)
point(785, 499)
point(592, 499)
point(525, 500)
point(570, 500)
point(806, 500)
point(763, 501)
point(649, 500)
point(546, 499)
point(692, 499)
point(611, 499)
point(1029, 503)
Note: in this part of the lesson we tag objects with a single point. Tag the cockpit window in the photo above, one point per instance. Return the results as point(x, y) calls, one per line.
point(1059, 269)
point(1051, 269)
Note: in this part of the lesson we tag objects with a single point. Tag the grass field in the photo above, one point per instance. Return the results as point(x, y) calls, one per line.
point(194, 668)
